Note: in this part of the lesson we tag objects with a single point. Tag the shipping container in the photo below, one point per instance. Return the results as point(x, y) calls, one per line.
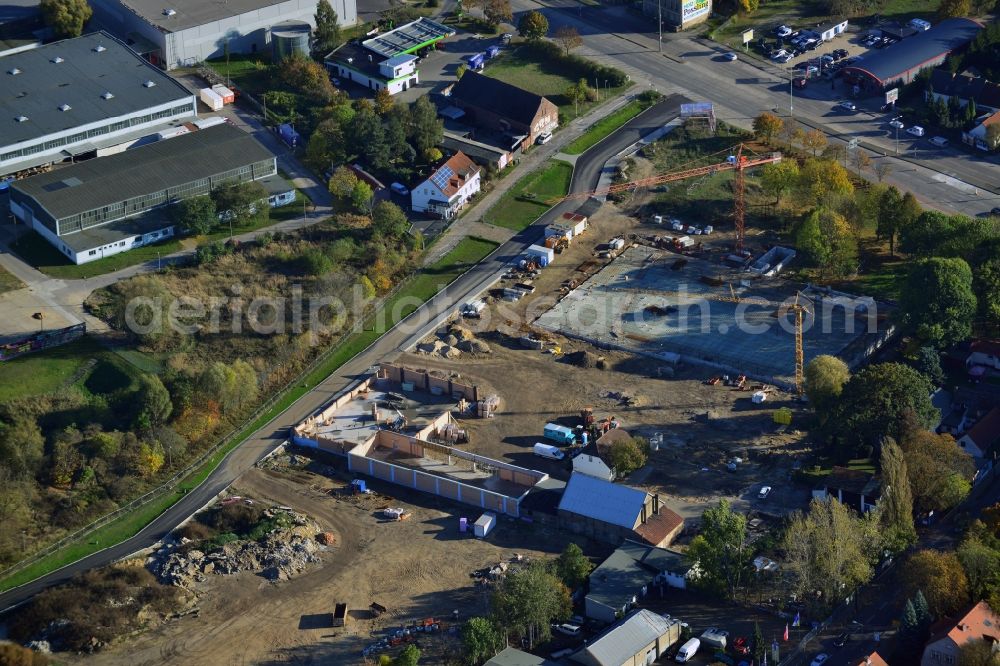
point(227, 95)
point(617, 243)
point(211, 121)
point(559, 433)
point(544, 255)
point(211, 99)
point(484, 525)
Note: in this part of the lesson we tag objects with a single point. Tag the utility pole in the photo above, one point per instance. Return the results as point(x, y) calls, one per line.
point(791, 100)
point(659, 22)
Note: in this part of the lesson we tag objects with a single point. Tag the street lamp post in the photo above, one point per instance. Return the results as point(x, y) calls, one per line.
point(659, 23)
point(897, 138)
point(791, 99)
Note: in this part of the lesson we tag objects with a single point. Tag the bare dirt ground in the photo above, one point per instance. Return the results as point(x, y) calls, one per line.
point(417, 568)
point(703, 426)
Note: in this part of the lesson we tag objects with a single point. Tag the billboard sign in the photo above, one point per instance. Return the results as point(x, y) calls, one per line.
point(41, 340)
point(748, 36)
point(891, 95)
point(692, 9)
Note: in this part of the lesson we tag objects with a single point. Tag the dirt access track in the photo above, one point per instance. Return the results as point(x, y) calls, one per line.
point(417, 568)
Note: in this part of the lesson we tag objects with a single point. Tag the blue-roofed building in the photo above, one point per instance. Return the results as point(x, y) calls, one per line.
point(901, 62)
point(448, 189)
point(612, 512)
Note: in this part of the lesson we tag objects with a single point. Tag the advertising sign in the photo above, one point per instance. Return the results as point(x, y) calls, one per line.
point(691, 9)
point(891, 95)
point(748, 36)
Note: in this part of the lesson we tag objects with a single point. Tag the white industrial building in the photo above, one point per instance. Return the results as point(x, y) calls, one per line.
point(179, 33)
point(78, 97)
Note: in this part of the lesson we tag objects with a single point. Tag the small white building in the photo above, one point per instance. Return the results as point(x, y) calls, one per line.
point(448, 189)
point(977, 135)
point(828, 31)
point(592, 466)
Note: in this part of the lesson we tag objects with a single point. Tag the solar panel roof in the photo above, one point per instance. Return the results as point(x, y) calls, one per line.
point(407, 37)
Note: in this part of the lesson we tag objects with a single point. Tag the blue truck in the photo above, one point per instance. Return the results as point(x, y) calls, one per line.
point(561, 434)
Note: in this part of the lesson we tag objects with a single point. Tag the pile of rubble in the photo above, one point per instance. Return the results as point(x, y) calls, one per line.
point(278, 556)
point(450, 342)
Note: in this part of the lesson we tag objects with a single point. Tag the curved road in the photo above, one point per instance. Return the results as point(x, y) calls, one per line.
point(400, 338)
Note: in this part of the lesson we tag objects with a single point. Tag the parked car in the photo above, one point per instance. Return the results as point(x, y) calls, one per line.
point(995, 210)
point(819, 659)
point(939, 141)
point(399, 189)
point(731, 57)
point(916, 130)
point(897, 123)
point(783, 31)
point(764, 492)
point(569, 629)
point(847, 105)
point(785, 58)
point(544, 137)
point(779, 54)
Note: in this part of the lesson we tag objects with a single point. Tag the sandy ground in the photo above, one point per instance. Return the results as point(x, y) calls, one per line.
point(244, 619)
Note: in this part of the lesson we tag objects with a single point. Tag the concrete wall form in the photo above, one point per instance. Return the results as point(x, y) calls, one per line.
point(427, 382)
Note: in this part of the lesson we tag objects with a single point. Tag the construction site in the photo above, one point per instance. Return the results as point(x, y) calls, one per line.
point(681, 308)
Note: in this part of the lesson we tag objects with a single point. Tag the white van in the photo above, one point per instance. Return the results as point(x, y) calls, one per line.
point(919, 24)
point(939, 141)
point(687, 651)
point(549, 451)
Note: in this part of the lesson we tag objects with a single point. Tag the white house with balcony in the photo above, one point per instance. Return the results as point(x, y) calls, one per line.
point(448, 189)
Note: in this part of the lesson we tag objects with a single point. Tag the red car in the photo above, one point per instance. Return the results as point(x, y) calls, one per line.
point(741, 645)
point(800, 82)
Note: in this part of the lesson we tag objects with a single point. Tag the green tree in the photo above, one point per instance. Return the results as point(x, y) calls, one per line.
point(825, 377)
point(954, 8)
point(410, 656)
point(326, 145)
point(361, 196)
point(875, 401)
point(306, 77)
point(242, 203)
point(384, 102)
point(940, 577)
point(66, 17)
point(427, 128)
point(939, 469)
point(342, 183)
point(987, 290)
point(140, 307)
point(981, 564)
point(528, 600)
point(367, 288)
point(923, 610)
point(196, 215)
point(778, 178)
point(577, 93)
point(828, 549)
point(481, 640)
point(815, 140)
point(326, 36)
point(389, 220)
point(928, 363)
point(497, 12)
point(896, 504)
point(153, 400)
point(758, 646)
point(22, 445)
point(766, 126)
point(151, 458)
point(819, 178)
point(889, 216)
point(572, 566)
point(461, 70)
point(533, 26)
point(232, 386)
point(627, 455)
point(938, 302)
point(720, 551)
point(827, 240)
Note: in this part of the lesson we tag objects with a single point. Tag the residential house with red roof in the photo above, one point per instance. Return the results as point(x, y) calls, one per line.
point(983, 435)
point(873, 659)
point(448, 189)
point(949, 636)
point(979, 136)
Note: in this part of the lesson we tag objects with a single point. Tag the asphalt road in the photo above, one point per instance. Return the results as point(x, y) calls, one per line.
point(946, 179)
point(400, 338)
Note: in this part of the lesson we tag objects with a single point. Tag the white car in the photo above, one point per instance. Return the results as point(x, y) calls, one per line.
point(939, 141)
point(782, 31)
point(916, 130)
point(819, 659)
point(778, 55)
point(569, 629)
point(898, 124)
point(847, 105)
point(731, 57)
point(545, 137)
point(764, 492)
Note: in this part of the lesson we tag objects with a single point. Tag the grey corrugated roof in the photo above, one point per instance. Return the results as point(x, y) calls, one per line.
point(893, 61)
point(514, 657)
point(151, 168)
point(603, 500)
point(191, 13)
point(79, 81)
point(617, 580)
point(623, 641)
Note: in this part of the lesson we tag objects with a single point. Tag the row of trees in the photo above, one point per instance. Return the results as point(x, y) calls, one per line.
point(234, 205)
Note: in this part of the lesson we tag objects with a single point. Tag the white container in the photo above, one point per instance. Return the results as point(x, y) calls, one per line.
point(546, 254)
point(708, 230)
point(617, 243)
point(548, 451)
point(580, 227)
point(658, 219)
point(211, 99)
point(225, 93)
point(484, 525)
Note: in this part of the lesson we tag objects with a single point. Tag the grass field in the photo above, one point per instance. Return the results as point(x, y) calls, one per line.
point(549, 79)
point(800, 14)
point(604, 127)
point(8, 282)
point(526, 200)
point(422, 286)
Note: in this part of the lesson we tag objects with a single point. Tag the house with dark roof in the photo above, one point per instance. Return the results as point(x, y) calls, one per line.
point(641, 638)
point(964, 86)
point(982, 436)
point(513, 657)
point(899, 63)
point(852, 487)
point(448, 189)
point(985, 353)
point(612, 512)
point(979, 623)
point(495, 105)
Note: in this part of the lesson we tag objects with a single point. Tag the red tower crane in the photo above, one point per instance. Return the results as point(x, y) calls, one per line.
point(737, 162)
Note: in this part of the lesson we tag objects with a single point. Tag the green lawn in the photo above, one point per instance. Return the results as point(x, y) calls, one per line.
point(39, 253)
point(528, 198)
point(550, 79)
point(46, 371)
point(422, 287)
point(604, 127)
point(800, 14)
point(8, 282)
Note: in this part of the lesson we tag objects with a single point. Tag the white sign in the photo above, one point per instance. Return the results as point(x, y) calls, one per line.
point(891, 95)
point(693, 8)
point(748, 36)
